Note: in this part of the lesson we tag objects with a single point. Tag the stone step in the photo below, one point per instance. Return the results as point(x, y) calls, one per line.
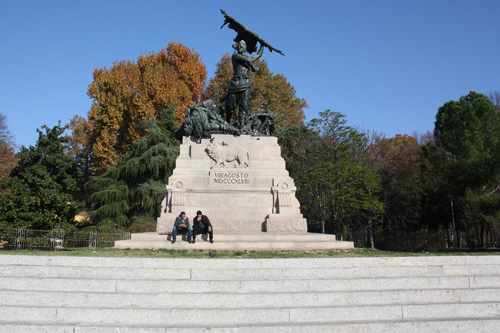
point(221, 300)
point(249, 316)
point(487, 324)
point(344, 272)
point(254, 241)
point(235, 245)
point(245, 237)
point(96, 272)
point(252, 286)
point(242, 274)
point(357, 262)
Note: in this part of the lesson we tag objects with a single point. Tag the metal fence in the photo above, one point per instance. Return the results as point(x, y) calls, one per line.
point(50, 240)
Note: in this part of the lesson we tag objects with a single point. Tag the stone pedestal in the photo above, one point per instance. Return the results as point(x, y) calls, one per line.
point(239, 182)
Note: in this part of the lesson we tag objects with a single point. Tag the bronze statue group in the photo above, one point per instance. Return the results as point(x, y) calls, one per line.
point(206, 118)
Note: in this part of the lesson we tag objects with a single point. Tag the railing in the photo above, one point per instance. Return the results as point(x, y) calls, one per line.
point(51, 240)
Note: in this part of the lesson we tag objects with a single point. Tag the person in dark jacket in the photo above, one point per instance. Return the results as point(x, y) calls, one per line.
point(202, 225)
point(181, 226)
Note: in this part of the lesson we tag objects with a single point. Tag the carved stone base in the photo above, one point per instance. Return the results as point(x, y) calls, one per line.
point(239, 182)
point(278, 223)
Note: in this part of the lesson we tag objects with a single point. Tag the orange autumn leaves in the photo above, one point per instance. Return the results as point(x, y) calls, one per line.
point(7, 159)
point(130, 92)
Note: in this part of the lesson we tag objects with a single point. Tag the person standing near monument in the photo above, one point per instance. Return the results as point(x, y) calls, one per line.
point(238, 94)
point(202, 225)
point(181, 226)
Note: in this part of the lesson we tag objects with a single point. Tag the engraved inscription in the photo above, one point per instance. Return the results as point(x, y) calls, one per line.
point(231, 178)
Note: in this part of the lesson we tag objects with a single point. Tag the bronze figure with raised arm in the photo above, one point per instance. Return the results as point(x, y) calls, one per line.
point(238, 94)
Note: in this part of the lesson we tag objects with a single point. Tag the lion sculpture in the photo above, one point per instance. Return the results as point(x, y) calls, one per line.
point(222, 155)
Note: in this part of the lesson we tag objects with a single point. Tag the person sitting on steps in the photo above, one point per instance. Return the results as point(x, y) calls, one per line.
point(202, 225)
point(181, 226)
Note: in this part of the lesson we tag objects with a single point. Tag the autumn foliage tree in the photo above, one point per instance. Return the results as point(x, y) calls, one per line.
point(130, 92)
point(413, 191)
point(400, 159)
point(7, 159)
point(270, 92)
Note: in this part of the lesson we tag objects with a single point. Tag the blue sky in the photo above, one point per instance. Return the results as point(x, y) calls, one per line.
point(387, 65)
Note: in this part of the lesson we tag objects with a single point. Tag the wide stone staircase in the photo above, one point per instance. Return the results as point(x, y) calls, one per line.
point(98, 294)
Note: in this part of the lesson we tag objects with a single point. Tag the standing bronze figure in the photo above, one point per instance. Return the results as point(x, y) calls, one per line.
point(238, 94)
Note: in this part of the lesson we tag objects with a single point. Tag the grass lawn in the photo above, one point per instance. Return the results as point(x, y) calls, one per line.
point(137, 253)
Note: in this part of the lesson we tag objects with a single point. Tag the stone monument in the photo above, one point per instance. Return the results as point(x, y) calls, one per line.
point(240, 182)
point(233, 173)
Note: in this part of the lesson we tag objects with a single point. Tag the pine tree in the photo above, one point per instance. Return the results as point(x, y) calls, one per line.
point(468, 130)
point(135, 186)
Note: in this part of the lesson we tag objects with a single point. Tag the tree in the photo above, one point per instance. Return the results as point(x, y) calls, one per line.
point(400, 161)
point(80, 151)
point(289, 138)
point(135, 186)
point(131, 92)
point(42, 184)
point(469, 131)
point(334, 187)
point(495, 98)
point(270, 92)
point(7, 158)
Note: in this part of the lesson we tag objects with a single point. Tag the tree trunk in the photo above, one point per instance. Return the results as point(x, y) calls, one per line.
point(370, 234)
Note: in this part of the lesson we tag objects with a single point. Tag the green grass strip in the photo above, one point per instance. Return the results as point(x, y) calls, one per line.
point(195, 253)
